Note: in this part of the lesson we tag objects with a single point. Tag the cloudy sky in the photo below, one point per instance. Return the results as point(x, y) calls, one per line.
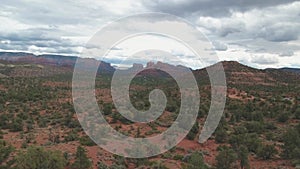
point(257, 33)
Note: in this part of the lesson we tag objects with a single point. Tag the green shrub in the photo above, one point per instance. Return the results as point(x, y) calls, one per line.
point(86, 141)
point(5, 151)
point(72, 136)
point(283, 117)
point(81, 159)
point(107, 109)
point(195, 161)
point(101, 165)
point(297, 113)
point(193, 132)
point(178, 157)
point(16, 125)
point(254, 127)
point(291, 146)
point(226, 158)
point(221, 136)
point(267, 152)
point(38, 158)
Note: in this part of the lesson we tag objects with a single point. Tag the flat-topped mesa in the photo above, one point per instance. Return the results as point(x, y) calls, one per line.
point(166, 66)
point(159, 64)
point(158, 69)
point(54, 60)
point(137, 66)
point(150, 64)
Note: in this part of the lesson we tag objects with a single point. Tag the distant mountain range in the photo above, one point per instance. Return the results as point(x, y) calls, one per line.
point(55, 60)
point(236, 73)
point(295, 70)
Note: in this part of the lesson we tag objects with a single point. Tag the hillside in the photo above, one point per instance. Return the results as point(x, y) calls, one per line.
point(295, 70)
point(239, 74)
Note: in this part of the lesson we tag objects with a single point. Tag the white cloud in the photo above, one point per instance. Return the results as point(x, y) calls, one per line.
point(264, 59)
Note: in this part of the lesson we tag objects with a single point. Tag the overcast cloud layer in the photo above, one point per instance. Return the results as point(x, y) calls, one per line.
point(257, 33)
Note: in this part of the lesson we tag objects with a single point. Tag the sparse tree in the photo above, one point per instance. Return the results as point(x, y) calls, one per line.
point(82, 161)
point(291, 147)
point(196, 161)
point(243, 157)
point(226, 158)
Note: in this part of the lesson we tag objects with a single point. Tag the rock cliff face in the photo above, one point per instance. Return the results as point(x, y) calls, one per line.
point(158, 69)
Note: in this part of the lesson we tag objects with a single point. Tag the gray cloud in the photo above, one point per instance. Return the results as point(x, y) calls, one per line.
point(32, 34)
point(214, 8)
point(281, 32)
point(264, 46)
point(9, 46)
point(38, 40)
point(287, 53)
point(219, 46)
point(279, 23)
point(52, 12)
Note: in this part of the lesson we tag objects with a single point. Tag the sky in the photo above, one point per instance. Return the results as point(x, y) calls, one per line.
point(257, 33)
